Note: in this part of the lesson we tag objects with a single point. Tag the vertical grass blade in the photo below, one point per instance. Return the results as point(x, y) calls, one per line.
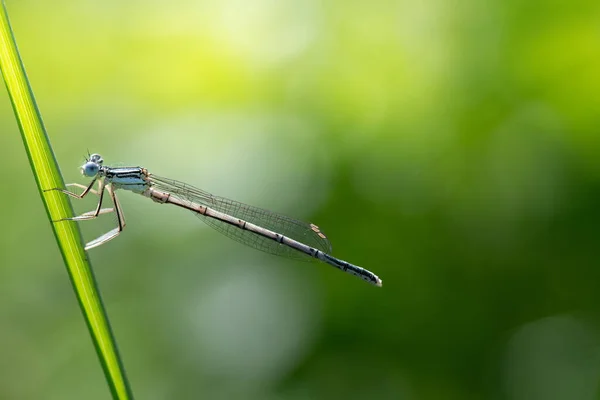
point(68, 236)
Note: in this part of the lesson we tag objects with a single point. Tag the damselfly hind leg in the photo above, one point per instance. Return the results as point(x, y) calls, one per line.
point(115, 232)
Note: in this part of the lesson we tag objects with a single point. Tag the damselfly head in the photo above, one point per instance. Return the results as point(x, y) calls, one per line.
point(90, 168)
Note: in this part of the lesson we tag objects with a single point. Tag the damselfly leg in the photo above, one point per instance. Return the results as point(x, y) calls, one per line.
point(87, 189)
point(120, 220)
point(79, 185)
point(98, 211)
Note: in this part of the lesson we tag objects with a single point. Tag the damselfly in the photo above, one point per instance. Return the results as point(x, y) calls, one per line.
point(261, 229)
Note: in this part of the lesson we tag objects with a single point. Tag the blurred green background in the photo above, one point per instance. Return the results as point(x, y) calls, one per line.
point(450, 147)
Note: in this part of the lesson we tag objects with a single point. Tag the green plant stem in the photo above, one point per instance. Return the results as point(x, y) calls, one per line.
point(69, 239)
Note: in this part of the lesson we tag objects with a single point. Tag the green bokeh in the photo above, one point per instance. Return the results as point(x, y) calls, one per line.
point(453, 149)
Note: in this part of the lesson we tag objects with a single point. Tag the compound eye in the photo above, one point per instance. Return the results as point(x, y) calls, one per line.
point(90, 169)
point(97, 158)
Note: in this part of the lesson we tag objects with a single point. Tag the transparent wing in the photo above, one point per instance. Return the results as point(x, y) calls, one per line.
point(303, 232)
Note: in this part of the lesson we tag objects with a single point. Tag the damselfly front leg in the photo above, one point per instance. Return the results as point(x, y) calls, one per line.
point(79, 185)
point(87, 189)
